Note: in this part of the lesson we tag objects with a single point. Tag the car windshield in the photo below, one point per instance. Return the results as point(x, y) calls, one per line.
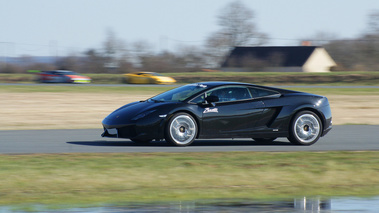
point(180, 93)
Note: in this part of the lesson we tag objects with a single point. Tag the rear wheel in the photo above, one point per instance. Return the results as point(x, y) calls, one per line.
point(305, 129)
point(126, 80)
point(181, 130)
point(264, 140)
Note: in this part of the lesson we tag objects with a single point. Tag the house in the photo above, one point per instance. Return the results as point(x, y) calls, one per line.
point(278, 59)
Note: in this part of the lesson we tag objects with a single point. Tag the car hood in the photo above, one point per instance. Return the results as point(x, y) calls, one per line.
point(165, 79)
point(133, 111)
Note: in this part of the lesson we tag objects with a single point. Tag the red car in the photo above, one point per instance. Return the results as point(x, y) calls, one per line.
point(62, 76)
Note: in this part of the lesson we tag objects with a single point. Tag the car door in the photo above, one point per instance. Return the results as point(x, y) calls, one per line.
point(272, 106)
point(235, 114)
point(55, 77)
point(143, 78)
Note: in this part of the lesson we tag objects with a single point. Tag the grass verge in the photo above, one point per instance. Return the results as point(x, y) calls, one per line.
point(267, 78)
point(82, 89)
point(148, 177)
point(159, 89)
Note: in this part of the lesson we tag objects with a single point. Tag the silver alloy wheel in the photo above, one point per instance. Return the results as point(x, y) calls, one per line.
point(183, 129)
point(306, 128)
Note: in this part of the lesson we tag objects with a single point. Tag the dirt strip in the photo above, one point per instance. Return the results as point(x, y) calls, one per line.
point(87, 110)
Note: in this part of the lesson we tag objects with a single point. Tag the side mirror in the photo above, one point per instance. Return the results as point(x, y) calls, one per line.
point(212, 99)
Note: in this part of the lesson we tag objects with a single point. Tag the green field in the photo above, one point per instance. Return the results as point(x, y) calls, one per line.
point(77, 179)
point(266, 78)
point(82, 89)
point(158, 89)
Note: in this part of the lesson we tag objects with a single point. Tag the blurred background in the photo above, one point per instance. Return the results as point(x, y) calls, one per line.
point(169, 36)
point(323, 47)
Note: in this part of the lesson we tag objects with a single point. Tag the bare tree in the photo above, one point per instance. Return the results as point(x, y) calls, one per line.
point(139, 50)
point(162, 62)
point(70, 62)
point(114, 51)
point(373, 22)
point(216, 49)
point(192, 58)
point(237, 25)
point(113, 46)
point(237, 28)
point(93, 62)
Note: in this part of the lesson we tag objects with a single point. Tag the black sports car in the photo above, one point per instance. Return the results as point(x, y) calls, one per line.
point(223, 110)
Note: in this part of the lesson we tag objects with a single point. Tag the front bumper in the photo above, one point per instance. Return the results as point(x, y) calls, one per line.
point(110, 133)
point(81, 81)
point(122, 132)
point(139, 131)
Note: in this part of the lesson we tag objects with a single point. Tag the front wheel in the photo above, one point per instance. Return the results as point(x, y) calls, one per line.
point(152, 81)
point(181, 130)
point(305, 129)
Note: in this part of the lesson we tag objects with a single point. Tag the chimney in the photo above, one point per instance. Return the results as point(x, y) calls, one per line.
point(306, 43)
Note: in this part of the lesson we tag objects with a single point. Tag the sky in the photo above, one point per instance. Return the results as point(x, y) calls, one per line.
point(62, 27)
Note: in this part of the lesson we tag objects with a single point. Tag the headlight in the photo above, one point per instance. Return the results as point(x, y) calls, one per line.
point(142, 115)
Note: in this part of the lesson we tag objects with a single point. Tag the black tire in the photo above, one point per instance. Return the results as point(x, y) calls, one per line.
point(152, 81)
point(126, 80)
point(305, 129)
point(181, 129)
point(264, 140)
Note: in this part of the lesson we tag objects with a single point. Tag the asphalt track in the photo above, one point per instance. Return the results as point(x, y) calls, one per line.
point(349, 138)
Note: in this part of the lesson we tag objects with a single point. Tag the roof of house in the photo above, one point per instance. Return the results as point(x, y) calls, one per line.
point(289, 56)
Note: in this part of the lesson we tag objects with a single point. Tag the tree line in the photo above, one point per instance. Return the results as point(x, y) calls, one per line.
point(237, 27)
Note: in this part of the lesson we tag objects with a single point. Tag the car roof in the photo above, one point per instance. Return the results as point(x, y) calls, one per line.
point(142, 72)
point(60, 71)
point(222, 83)
point(212, 84)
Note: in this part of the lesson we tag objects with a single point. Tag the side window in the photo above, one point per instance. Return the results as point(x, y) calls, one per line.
point(226, 94)
point(259, 93)
point(200, 99)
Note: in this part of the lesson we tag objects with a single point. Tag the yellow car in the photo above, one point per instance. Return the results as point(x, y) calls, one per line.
point(147, 78)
